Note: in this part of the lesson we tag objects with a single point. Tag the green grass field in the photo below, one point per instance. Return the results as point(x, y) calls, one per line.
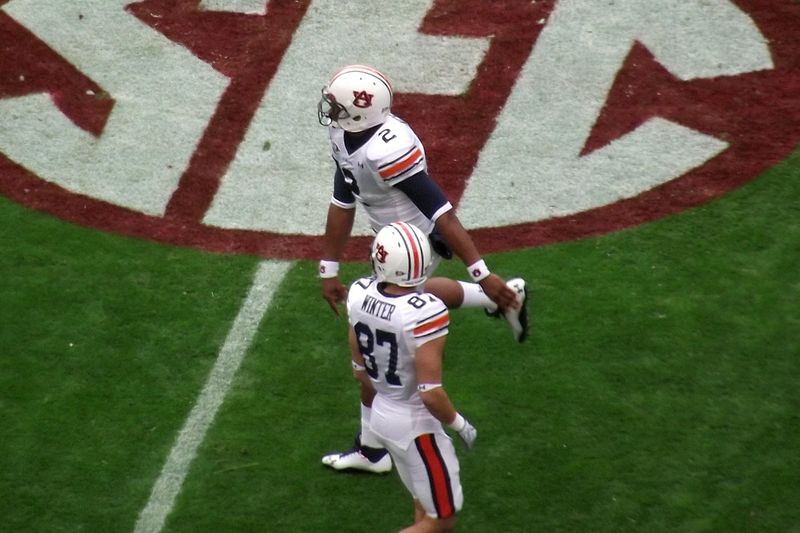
point(658, 392)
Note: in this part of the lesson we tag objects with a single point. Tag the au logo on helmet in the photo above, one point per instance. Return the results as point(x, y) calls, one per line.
point(362, 99)
point(381, 253)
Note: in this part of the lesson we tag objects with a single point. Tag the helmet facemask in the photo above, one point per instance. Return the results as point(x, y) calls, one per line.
point(329, 110)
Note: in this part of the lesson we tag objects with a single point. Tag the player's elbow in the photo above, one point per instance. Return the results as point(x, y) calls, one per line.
point(360, 375)
point(446, 219)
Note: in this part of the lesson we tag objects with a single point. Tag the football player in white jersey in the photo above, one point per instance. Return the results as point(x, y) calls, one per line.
point(381, 165)
point(397, 337)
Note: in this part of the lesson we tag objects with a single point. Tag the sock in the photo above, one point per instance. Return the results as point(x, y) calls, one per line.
point(475, 297)
point(368, 444)
point(373, 454)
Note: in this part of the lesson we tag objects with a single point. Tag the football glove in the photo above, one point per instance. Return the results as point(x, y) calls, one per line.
point(466, 431)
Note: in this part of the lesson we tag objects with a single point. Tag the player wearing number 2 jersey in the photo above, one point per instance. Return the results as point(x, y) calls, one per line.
point(380, 165)
point(397, 337)
point(374, 174)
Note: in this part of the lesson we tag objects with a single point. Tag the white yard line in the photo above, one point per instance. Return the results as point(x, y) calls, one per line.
point(166, 489)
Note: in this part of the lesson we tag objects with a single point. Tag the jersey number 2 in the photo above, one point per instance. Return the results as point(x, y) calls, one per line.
point(366, 345)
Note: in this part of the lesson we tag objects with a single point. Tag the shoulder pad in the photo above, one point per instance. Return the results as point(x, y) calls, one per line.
point(356, 292)
point(394, 150)
point(432, 319)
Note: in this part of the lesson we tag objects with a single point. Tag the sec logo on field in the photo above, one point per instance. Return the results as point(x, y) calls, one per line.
point(193, 122)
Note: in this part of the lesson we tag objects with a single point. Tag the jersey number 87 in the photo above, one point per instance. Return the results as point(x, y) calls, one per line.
point(366, 345)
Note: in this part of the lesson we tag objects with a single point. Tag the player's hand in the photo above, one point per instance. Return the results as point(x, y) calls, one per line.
point(466, 431)
point(468, 434)
point(334, 293)
point(500, 293)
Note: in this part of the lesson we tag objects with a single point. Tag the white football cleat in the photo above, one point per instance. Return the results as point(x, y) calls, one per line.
point(355, 460)
point(518, 318)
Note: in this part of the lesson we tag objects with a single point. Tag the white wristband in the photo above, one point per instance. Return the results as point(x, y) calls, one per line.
point(478, 270)
point(458, 423)
point(328, 269)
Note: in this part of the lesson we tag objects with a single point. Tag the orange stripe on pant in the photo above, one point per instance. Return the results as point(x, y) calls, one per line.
point(437, 475)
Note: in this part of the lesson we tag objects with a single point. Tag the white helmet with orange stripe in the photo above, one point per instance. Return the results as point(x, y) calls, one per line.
point(356, 98)
point(401, 254)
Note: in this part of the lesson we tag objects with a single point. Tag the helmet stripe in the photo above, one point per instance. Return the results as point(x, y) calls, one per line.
point(410, 256)
point(413, 249)
point(377, 73)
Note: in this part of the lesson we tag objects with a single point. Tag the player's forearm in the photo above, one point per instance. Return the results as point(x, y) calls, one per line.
point(457, 238)
point(338, 226)
point(438, 403)
point(359, 370)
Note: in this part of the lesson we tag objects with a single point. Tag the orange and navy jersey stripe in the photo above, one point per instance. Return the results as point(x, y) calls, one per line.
point(401, 166)
point(438, 475)
point(433, 324)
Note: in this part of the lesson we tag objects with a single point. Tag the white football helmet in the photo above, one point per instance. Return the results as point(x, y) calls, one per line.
point(357, 97)
point(401, 254)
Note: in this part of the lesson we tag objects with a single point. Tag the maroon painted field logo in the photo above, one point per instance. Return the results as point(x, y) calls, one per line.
point(193, 122)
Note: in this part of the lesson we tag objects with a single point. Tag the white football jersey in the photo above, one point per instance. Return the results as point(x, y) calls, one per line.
point(391, 155)
point(389, 329)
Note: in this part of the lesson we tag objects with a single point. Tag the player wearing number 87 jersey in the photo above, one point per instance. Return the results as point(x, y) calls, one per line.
point(397, 337)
